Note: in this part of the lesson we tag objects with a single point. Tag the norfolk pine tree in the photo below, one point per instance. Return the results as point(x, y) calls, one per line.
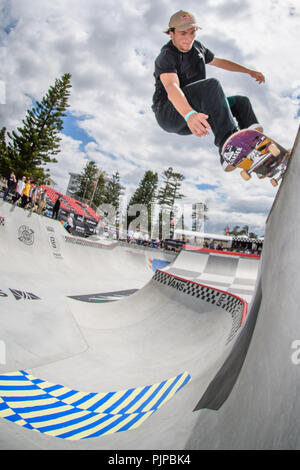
point(113, 191)
point(36, 143)
point(92, 184)
point(145, 195)
point(168, 194)
point(86, 180)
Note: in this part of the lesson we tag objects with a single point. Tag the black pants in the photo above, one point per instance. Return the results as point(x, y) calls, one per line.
point(25, 201)
point(226, 115)
point(55, 213)
point(16, 197)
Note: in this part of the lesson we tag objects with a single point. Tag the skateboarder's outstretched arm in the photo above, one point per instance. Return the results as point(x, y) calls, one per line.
point(197, 122)
point(234, 67)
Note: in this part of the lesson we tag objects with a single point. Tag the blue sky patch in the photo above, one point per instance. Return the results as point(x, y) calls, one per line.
point(72, 129)
point(8, 28)
point(205, 187)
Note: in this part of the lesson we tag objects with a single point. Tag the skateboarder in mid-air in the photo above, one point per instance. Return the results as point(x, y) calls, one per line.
point(185, 101)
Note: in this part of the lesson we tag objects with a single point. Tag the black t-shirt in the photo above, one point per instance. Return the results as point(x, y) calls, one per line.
point(11, 182)
point(189, 66)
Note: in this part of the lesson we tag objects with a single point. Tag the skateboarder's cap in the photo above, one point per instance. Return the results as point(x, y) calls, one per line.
point(182, 20)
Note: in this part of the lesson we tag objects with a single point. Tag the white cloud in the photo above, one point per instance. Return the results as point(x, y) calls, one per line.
point(110, 48)
point(70, 159)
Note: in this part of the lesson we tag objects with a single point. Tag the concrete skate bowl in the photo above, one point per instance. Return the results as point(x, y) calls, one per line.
point(174, 365)
point(96, 351)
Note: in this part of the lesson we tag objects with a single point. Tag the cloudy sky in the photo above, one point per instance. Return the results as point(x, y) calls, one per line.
point(110, 48)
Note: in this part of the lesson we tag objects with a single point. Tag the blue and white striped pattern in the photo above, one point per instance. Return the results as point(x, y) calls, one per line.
point(68, 414)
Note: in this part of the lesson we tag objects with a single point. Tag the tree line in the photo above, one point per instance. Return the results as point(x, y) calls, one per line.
point(95, 186)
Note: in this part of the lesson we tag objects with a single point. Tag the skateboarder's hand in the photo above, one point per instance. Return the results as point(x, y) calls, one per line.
point(198, 125)
point(259, 77)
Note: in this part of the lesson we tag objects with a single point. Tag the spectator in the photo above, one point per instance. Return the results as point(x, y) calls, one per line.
point(137, 237)
point(11, 183)
point(48, 210)
point(130, 236)
point(42, 201)
point(32, 195)
point(100, 228)
point(26, 193)
point(56, 208)
point(146, 239)
point(86, 227)
point(19, 190)
point(70, 224)
point(35, 198)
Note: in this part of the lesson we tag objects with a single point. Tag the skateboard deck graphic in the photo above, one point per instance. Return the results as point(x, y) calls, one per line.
point(255, 152)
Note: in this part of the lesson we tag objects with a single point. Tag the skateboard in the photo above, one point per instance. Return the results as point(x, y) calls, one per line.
point(255, 152)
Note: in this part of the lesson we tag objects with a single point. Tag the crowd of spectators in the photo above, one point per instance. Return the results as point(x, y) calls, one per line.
point(252, 246)
point(238, 244)
point(25, 193)
point(30, 195)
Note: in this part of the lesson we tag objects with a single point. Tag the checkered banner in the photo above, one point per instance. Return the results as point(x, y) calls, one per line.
point(232, 304)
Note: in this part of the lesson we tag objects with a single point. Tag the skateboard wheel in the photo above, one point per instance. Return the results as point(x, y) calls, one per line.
point(245, 175)
point(274, 150)
point(274, 182)
point(229, 168)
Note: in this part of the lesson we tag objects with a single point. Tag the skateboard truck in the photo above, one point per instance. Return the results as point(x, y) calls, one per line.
point(273, 150)
point(276, 180)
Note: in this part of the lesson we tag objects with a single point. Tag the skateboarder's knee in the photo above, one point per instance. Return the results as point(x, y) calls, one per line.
point(205, 94)
point(213, 82)
point(213, 85)
point(242, 101)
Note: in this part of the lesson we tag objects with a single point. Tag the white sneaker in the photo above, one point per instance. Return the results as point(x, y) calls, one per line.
point(256, 127)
